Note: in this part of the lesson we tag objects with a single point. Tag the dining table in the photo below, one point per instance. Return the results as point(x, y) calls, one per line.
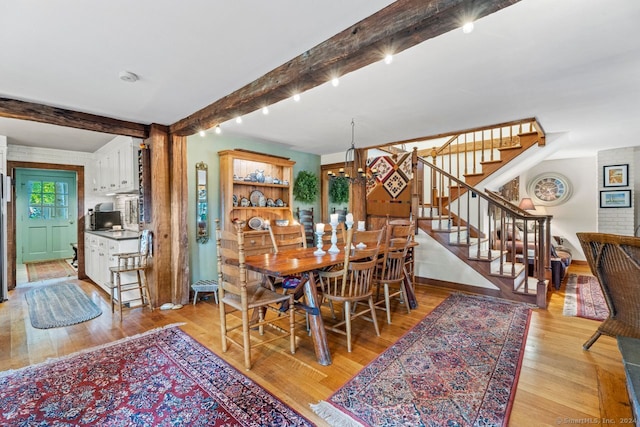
point(304, 261)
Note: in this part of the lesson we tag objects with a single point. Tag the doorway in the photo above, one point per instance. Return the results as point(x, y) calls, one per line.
point(78, 214)
point(45, 215)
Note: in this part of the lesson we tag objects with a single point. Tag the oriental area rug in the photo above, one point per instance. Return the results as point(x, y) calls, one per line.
point(159, 378)
point(45, 270)
point(458, 367)
point(583, 298)
point(58, 305)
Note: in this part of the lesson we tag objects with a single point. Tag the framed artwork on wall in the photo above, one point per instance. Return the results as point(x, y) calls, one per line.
point(615, 199)
point(615, 175)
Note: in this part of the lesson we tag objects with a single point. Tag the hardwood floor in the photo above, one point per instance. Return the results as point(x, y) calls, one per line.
point(559, 382)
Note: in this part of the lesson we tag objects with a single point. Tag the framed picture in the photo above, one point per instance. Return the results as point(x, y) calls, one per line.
point(616, 176)
point(615, 199)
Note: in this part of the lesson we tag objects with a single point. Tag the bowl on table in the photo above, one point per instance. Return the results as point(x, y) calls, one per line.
point(282, 222)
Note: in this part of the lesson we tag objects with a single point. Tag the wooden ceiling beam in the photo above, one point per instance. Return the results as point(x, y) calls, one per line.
point(15, 109)
point(399, 26)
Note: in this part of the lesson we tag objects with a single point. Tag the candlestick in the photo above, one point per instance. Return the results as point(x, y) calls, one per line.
point(334, 239)
point(319, 227)
point(319, 251)
point(349, 221)
point(334, 219)
point(360, 225)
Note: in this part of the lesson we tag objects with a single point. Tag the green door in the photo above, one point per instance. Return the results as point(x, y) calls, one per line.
point(46, 206)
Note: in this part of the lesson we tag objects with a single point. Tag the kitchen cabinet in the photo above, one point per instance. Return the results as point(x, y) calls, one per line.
point(116, 167)
point(102, 247)
point(255, 187)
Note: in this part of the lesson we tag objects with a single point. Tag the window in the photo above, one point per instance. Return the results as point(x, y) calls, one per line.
point(48, 200)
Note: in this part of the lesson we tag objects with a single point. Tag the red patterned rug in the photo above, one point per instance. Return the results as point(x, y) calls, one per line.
point(583, 298)
point(458, 367)
point(44, 270)
point(160, 378)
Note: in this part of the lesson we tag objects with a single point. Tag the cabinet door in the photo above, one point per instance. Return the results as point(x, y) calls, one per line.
point(128, 177)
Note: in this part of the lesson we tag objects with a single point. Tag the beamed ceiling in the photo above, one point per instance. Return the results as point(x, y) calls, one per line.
point(575, 65)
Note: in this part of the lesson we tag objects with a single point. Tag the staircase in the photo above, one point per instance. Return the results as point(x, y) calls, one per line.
point(466, 220)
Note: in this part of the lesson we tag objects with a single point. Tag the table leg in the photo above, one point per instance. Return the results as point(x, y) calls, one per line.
point(316, 324)
point(411, 295)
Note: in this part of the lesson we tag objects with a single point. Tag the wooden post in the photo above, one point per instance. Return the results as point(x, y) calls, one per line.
point(159, 273)
point(179, 209)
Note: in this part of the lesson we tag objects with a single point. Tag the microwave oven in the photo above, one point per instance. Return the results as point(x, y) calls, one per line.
point(104, 220)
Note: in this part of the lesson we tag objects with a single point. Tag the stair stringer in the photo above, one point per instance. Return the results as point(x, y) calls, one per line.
point(437, 259)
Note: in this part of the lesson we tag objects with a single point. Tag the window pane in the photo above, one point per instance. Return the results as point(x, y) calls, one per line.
point(46, 213)
point(49, 187)
point(35, 199)
point(62, 188)
point(35, 186)
point(48, 199)
point(34, 212)
point(62, 200)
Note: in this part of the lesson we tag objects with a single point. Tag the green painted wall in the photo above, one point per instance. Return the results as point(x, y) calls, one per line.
point(202, 256)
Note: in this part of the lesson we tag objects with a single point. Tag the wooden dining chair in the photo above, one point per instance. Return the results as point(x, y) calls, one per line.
point(288, 236)
point(235, 293)
point(350, 285)
point(369, 238)
point(401, 228)
point(615, 261)
point(390, 272)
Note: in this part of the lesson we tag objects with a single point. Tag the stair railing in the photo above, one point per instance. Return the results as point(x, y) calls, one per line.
point(455, 206)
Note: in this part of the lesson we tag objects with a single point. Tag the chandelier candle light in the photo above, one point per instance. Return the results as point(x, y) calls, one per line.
point(319, 233)
point(350, 161)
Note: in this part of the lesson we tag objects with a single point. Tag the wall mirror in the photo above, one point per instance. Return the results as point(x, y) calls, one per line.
point(202, 206)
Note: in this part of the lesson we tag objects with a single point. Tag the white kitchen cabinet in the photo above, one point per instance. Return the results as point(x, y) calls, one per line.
point(102, 255)
point(116, 170)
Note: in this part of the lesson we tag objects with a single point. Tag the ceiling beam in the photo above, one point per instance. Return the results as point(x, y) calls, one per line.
point(399, 26)
point(15, 109)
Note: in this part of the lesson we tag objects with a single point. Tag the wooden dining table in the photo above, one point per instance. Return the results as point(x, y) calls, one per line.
point(304, 262)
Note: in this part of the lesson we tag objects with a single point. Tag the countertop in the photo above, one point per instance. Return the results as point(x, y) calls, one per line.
point(116, 235)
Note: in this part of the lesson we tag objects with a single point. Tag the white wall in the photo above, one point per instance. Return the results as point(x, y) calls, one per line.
point(616, 220)
point(580, 212)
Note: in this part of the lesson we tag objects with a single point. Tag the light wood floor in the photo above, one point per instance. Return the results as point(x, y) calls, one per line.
point(559, 382)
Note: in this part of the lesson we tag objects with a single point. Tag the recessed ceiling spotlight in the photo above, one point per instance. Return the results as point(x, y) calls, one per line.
point(388, 59)
point(128, 76)
point(238, 120)
point(296, 97)
point(335, 81)
point(265, 110)
point(218, 130)
point(202, 133)
point(467, 27)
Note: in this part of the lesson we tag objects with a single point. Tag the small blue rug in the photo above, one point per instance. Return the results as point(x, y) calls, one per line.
point(60, 305)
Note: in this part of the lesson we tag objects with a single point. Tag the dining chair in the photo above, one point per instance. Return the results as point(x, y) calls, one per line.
point(350, 285)
point(390, 272)
point(615, 261)
point(305, 217)
point(132, 264)
point(368, 238)
point(234, 292)
point(288, 236)
point(401, 228)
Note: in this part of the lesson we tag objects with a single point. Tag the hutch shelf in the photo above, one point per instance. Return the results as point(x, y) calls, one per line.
point(247, 177)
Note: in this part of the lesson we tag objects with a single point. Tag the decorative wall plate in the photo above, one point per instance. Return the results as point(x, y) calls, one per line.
point(256, 223)
point(271, 203)
point(255, 196)
point(549, 189)
point(279, 203)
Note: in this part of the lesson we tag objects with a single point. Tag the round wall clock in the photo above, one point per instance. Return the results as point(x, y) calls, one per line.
point(549, 189)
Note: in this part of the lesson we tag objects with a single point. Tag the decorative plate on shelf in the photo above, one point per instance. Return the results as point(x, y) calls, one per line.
point(235, 200)
point(244, 202)
point(255, 196)
point(271, 203)
point(256, 223)
point(279, 203)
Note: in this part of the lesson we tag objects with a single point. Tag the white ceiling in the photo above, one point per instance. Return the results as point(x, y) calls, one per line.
point(574, 64)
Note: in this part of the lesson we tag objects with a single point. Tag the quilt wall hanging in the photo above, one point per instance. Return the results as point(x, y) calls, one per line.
point(390, 192)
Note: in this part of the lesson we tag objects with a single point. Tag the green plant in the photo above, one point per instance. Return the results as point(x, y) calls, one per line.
point(339, 190)
point(305, 187)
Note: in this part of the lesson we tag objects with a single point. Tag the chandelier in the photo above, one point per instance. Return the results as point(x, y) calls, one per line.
point(351, 159)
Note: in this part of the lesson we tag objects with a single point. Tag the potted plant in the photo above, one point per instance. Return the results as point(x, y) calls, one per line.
point(305, 187)
point(339, 190)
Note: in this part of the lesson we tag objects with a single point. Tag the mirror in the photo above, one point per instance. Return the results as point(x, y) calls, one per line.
point(202, 206)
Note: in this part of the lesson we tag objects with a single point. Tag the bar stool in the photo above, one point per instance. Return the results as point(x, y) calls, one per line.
point(132, 262)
